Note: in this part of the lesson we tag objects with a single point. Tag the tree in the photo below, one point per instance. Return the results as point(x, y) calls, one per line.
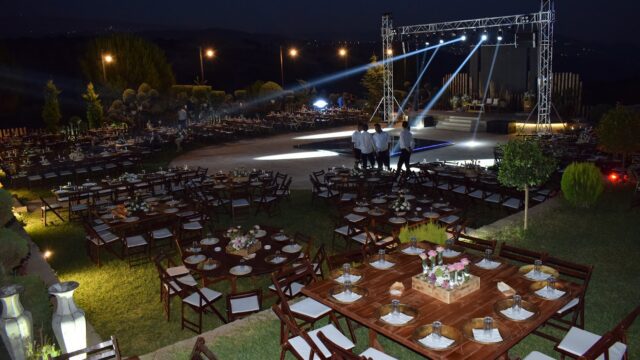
point(524, 165)
point(94, 107)
point(136, 61)
point(619, 132)
point(271, 91)
point(51, 110)
point(372, 82)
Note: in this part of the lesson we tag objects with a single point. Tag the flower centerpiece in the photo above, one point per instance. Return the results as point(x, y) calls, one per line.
point(128, 177)
point(448, 277)
point(241, 243)
point(400, 205)
point(137, 205)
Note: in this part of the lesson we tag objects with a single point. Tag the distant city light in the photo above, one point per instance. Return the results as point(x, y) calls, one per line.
point(320, 104)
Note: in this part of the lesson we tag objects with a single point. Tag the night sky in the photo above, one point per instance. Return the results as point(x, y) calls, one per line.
point(586, 20)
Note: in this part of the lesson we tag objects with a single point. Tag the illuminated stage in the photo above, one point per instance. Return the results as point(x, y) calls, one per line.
point(344, 146)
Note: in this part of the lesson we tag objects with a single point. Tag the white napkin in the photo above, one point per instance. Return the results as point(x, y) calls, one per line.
point(397, 319)
point(353, 278)
point(347, 298)
point(292, 248)
point(431, 342)
point(280, 238)
point(412, 251)
point(550, 294)
point(382, 265)
point(448, 253)
point(494, 335)
point(249, 257)
point(487, 264)
point(540, 277)
point(516, 315)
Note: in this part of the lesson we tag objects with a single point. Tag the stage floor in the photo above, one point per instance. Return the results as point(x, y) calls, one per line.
point(283, 153)
point(344, 146)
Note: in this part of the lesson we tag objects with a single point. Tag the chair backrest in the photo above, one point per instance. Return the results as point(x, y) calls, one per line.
point(521, 255)
point(620, 331)
point(317, 175)
point(474, 243)
point(301, 273)
point(336, 261)
point(200, 350)
point(336, 350)
point(291, 327)
point(105, 350)
point(569, 269)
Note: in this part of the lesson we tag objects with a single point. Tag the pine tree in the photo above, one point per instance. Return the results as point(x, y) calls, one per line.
point(94, 107)
point(51, 110)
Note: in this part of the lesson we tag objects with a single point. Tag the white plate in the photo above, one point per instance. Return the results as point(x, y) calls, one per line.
point(397, 220)
point(130, 219)
point(260, 233)
point(291, 249)
point(170, 211)
point(195, 259)
point(409, 251)
point(240, 270)
point(209, 241)
point(378, 201)
point(280, 237)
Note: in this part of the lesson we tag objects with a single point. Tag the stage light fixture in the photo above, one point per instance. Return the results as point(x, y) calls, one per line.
point(320, 104)
point(389, 51)
point(426, 43)
point(463, 37)
point(499, 37)
point(441, 41)
point(484, 37)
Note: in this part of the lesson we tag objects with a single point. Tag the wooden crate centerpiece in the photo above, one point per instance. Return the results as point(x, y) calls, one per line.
point(244, 251)
point(447, 296)
point(242, 244)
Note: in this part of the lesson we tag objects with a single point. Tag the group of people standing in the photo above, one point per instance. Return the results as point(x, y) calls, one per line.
point(371, 148)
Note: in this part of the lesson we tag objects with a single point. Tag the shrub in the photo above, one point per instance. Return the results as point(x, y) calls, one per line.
point(13, 248)
point(430, 231)
point(582, 184)
point(6, 203)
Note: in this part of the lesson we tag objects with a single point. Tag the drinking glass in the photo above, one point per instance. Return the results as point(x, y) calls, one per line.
point(517, 303)
point(551, 284)
point(395, 307)
point(537, 267)
point(487, 255)
point(414, 243)
point(381, 253)
point(488, 326)
point(347, 287)
point(346, 271)
point(448, 243)
point(436, 330)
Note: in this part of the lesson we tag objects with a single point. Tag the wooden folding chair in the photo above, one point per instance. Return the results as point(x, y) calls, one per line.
point(200, 351)
point(520, 255)
point(49, 207)
point(105, 350)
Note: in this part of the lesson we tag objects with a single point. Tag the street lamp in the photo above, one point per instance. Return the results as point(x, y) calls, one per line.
point(342, 52)
point(209, 53)
point(293, 52)
point(106, 59)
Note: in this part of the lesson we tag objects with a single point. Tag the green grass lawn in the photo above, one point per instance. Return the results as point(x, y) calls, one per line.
point(125, 302)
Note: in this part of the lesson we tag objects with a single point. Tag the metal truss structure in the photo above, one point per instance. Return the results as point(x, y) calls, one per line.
point(542, 21)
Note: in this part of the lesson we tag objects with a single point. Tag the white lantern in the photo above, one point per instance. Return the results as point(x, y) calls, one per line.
point(69, 324)
point(16, 326)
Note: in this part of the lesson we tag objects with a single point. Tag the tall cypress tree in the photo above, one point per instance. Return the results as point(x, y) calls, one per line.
point(51, 110)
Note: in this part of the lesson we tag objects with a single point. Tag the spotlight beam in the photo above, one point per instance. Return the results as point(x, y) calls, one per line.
point(486, 90)
point(346, 73)
point(446, 84)
point(415, 85)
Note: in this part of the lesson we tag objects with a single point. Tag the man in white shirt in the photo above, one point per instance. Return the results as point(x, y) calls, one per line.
point(182, 118)
point(356, 139)
point(368, 148)
point(381, 141)
point(406, 145)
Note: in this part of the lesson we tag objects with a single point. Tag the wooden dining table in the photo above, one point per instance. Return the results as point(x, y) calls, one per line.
point(478, 304)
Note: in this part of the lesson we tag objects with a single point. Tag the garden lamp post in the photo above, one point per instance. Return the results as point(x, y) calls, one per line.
point(106, 60)
point(343, 53)
point(208, 53)
point(293, 52)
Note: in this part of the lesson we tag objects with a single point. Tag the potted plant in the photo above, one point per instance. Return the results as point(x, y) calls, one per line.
point(455, 102)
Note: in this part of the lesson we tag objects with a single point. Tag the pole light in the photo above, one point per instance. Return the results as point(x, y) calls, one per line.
point(209, 53)
point(106, 59)
point(342, 52)
point(293, 52)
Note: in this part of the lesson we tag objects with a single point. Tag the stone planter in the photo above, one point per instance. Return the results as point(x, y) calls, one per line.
point(16, 326)
point(69, 324)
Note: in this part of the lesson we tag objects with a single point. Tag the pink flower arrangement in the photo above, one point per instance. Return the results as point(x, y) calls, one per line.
point(464, 261)
point(423, 256)
point(439, 249)
point(432, 253)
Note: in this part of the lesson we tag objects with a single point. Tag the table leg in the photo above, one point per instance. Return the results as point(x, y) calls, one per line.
point(234, 281)
point(373, 340)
